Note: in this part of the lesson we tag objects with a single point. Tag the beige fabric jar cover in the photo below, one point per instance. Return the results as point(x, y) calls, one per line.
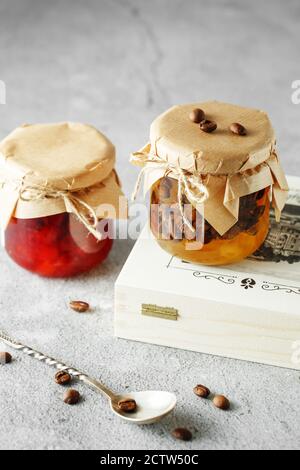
point(48, 169)
point(214, 169)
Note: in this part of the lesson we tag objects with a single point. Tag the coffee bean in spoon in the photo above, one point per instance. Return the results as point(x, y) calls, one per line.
point(208, 126)
point(128, 405)
point(197, 115)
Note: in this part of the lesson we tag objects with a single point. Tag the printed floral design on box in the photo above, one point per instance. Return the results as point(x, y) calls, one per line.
point(268, 286)
point(217, 277)
point(248, 283)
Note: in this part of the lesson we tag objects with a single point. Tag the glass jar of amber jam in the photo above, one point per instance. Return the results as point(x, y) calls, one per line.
point(213, 172)
point(58, 194)
point(205, 245)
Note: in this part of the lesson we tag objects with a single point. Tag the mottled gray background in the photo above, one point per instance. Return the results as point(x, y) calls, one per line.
point(117, 64)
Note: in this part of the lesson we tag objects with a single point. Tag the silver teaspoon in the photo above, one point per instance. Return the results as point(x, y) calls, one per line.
point(152, 406)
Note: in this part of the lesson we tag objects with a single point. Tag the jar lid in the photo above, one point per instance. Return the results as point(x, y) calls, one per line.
point(174, 136)
point(47, 169)
point(214, 169)
point(64, 155)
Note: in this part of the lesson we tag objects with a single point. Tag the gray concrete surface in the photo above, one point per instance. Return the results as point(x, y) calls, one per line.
point(116, 64)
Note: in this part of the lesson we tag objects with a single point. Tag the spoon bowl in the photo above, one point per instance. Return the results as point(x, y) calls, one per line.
point(152, 406)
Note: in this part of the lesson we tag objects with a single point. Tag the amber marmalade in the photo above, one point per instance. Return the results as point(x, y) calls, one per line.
point(204, 245)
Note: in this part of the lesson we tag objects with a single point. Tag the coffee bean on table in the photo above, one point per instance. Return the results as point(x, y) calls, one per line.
point(197, 115)
point(201, 391)
point(71, 397)
point(5, 358)
point(62, 378)
point(182, 434)
point(238, 129)
point(221, 402)
point(208, 126)
point(128, 405)
point(79, 306)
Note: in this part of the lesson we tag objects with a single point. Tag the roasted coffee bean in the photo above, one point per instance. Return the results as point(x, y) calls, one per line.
point(128, 405)
point(233, 232)
point(260, 194)
point(197, 115)
point(164, 189)
point(208, 238)
point(5, 358)
point(247, 221)
point(253, 231)
point(221, 402)
point(79, 306)
point(238, 129)
point(201, 391)
point(210, 234)
point(259, 211)
point(208, 126)
point(62, 378)
point(71, 397)
point(182, 434)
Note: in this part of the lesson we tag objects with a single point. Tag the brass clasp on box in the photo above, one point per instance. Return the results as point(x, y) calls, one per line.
point(166, 313)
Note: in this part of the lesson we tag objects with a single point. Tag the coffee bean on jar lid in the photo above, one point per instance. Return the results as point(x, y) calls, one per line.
point(238, 129)
point(71, 397)
point(79, 306)
point(182, 434)
point(201, 391)
point(62, 378)
point(197, 115)
point(128, 405)
point(221, 402)
point(5, 358)
point(208, 126)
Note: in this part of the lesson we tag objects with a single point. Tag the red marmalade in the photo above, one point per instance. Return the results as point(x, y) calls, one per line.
point(55, 246)
point(59, 195)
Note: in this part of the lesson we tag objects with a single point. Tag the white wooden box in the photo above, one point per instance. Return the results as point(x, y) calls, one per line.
point(246, 311)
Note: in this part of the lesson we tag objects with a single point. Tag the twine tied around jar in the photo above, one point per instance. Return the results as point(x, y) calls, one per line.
point(189, 184)
point(74, 204)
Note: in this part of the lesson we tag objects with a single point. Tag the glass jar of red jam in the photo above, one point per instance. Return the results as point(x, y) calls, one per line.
point(212, 171)
point(58, 195)
point(55, 246)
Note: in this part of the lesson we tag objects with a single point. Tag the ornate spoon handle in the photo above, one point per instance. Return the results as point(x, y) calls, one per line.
point(57, 364)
